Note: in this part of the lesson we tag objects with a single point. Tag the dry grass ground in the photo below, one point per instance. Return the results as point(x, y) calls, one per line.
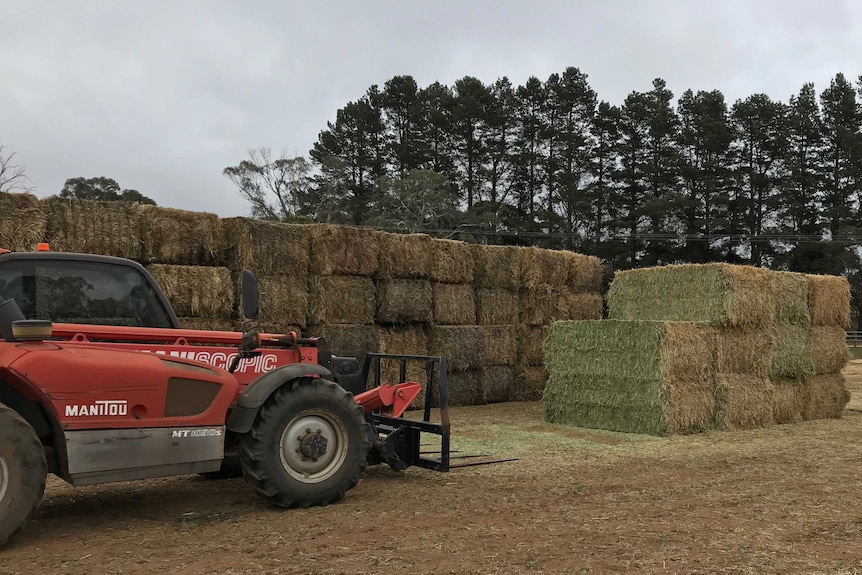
point(782, 500)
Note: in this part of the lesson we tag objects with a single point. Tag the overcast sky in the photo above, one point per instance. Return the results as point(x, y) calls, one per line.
point(163, 95)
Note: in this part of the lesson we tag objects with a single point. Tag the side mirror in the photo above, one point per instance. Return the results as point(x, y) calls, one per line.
point(250, 296)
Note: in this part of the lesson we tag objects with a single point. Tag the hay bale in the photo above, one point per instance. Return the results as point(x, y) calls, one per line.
point(88, 226)
point(743, 402)
point(720, 294)
point(23, 222)
point(635, 376)
point(196, 291)
point(341, 299)
point(497, 267)
point(404, 301)
point(830, 353)
point(207, 324)
point(530, 381)
point(498, 383)
point(452, 261)
point(584, 272)
point(788, 400)
point(462, 346)
point(576, 305)
point(826, 396)
point(538, 266)
point(405, 256)
point(790, 297)
point(403, 340)
point(267, 248)
point(454, 304)
point(347, 340)
point(531, 342)
point(744, 351)
point(465, 387)
point(829, 300)
point(342, 250)
point(273, 328)
point(284, 299)
point(539, 305)
point(792, 353)
point(497, 306)
point(180, 237)
point(501, 344)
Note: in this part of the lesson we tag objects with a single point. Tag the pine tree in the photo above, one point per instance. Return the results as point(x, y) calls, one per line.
point(471, 100)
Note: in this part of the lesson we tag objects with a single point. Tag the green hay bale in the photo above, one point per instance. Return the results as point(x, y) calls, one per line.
point(829, 300)
point(196, 291)
point(452, 261)
point(86, 226)
point(341, 299)
point(180, 237)
point(501, 344)
point(498, 383)
point(790, 296)
point(530, 381)
point(642, 377)
point(575, 306)
point(720, 294)
point(23, 222)
point(826, 396)
point(539, 266)
point(531, 341)
point(454, 304)
point(584, 272)
point(207, 324)
point(792, 354)
point(540, 305)
point(266, 248)
point(497, 267)
point(462, 346)
point(465, 387)
point(347, 340)
point(284, 299)
point(404, 256)
point(743, 402)
point(497, 306)
point(404, 301)
point(744, 351)
point(788, 400)
point(830, 351)
point(342, 250)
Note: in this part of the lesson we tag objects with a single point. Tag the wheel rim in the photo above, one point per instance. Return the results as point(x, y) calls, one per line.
point(313, 446)
point(4, 478)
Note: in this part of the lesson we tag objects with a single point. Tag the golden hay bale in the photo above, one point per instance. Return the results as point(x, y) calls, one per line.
point(454, 304)
point(790, 295)
point(341, 299)
point(688, 371)
point(498, 383)
point(342, 250)
point(576, 305)
point(497, 267)
point(23, 222)
point(584, 272)
point(829, 300)
point(462, 346)
point(404, 301)
point(452, 261)
point(743, 402)
point(180, 237)
point(538, 266)
point(826, 396)
point(276, 329)
point(497, 306)
point(465, 387)
point(539, 305)
point(266, 247)
point(196, 291)
point(403, 340)
point(106, 228)
point(501, 344)
point(207, 323)
point(530, 382)
point(284, 299)
point(347, 340)
point(404, 256)
point(830, 353)
point(788, 400)
point(531, 341)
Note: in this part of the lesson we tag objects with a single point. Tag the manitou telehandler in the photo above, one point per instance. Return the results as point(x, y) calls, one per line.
point(98, 384)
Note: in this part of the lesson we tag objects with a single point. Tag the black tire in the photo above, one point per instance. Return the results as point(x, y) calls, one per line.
point(230, 465)
point(277, 453)
point(23, 472)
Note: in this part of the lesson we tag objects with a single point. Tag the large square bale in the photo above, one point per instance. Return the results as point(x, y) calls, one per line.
point(539, 266)
point(497, 267)
point(498, 383)
point(23, 222)
point(266, 248)
point(720, 294)
point(462, 346)
point(207, 324)
point(343, 250)
point(530, 381)
point(790, 296)
point(540, 305)
point(196, 291)
point(743, 402)
point(792, 353)
point(830, 351)
point(404, 301)
point(92, 227)
point(452, 261)
point(829, 300)
point(497, 306)
point(173, 236)
point(826, 396)
point(744, 351)
point(341, 299)
point(284, 299)
point(584, 272)
point(403, 340)
point(531, 342)
point(573, 305)
point(635, 376)
point(347, 340)
point(501, 344)
point(454, 304)
point(788, 400)
point(465, 387)
point(406, 256)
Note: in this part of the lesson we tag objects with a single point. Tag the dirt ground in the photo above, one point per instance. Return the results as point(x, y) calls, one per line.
point(782, 500)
